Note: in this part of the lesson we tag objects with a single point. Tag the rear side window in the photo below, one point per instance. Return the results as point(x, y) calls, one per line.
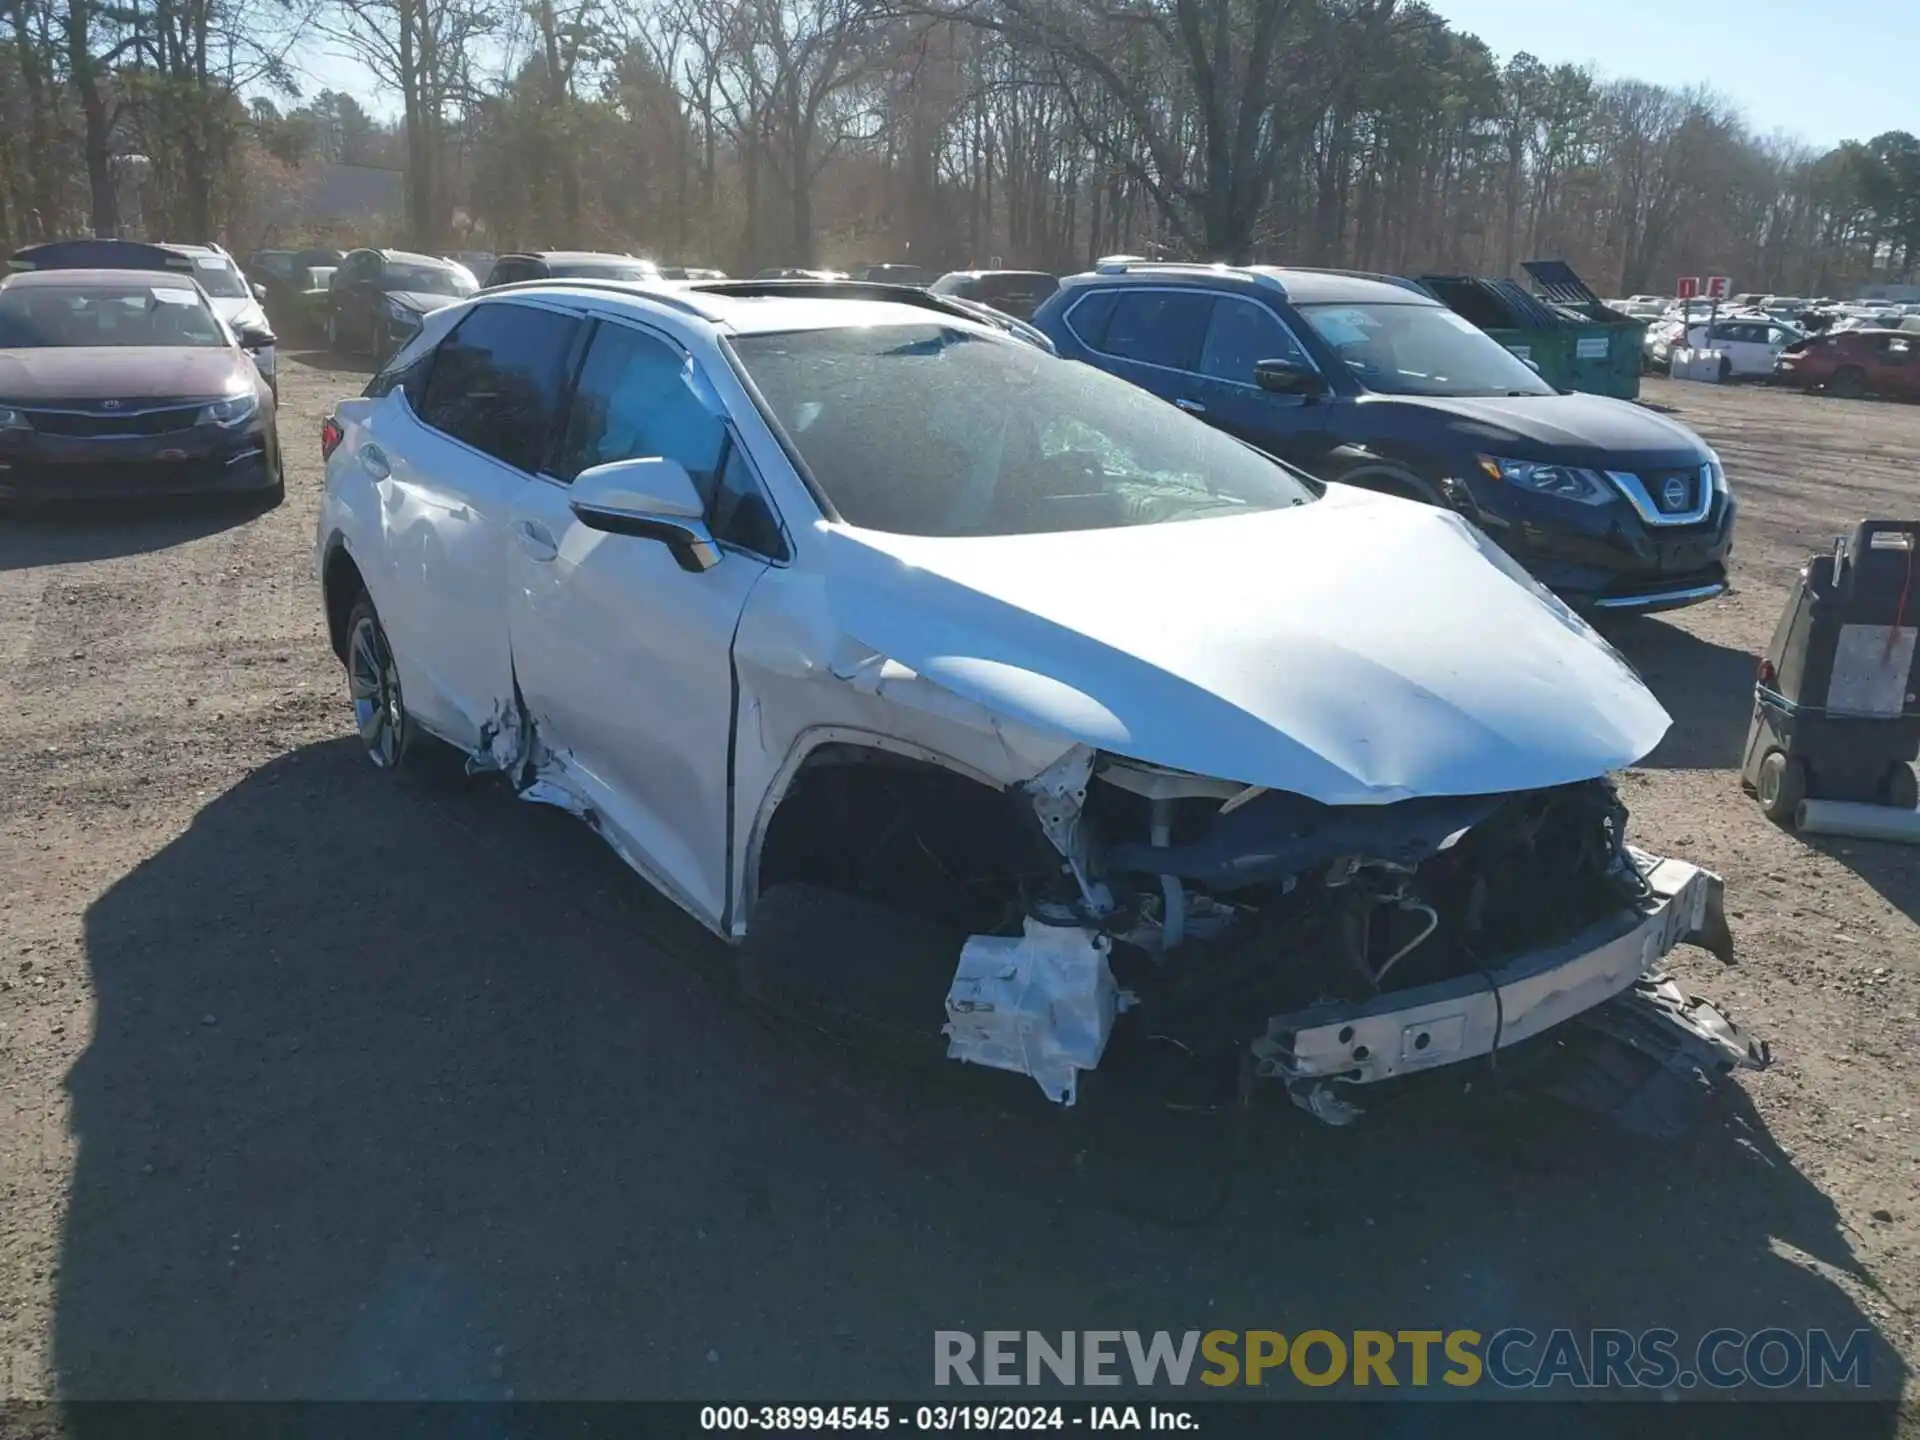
point(1159, 327)
point(1088, 318)
point(497, 380)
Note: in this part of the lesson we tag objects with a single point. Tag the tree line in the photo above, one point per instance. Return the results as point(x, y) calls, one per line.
point(1360, 133)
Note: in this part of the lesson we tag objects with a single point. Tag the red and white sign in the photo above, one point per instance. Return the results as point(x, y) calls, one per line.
point(1719, 287)
point(1686, 287)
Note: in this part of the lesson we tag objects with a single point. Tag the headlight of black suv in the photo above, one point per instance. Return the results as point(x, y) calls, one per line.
point(1586, 487)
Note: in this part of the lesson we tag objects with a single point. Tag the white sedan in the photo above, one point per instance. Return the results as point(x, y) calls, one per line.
point(976, 694)
point(1749, 344)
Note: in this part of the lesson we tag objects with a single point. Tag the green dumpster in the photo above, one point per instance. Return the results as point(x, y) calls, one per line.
point(1575, 344)
point(1608, 346)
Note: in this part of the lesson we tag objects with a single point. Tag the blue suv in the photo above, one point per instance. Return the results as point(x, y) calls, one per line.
point(1369, 380)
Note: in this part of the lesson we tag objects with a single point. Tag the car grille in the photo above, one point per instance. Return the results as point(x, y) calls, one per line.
point(1668, 497)
point(101, 424)
point(1674, 492)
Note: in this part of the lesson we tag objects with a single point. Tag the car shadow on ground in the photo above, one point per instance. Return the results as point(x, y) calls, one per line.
point(332, 360)
point(421, 1094)
point(1706, 688)
point(74, 534)
point(1892, 870)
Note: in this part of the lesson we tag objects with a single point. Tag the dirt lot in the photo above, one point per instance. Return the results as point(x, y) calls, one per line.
point(310, 1086)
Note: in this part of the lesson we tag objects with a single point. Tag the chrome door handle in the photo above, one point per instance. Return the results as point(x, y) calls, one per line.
point(537, 540)
point(374, 461)
point(1192, 407)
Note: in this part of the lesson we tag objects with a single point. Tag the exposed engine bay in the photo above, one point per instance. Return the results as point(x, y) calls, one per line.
point(1358, 900)
point(1339, 945)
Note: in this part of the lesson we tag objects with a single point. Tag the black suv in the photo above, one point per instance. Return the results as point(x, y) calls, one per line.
point(377, 298)
point(1369, 380)
point(567, 265)
point(1018, 292)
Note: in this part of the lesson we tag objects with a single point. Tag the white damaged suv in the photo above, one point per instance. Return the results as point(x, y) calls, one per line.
point(983, 699)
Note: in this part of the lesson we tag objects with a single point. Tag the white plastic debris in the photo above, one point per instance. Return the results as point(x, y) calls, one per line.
point(1042, 1005)
point(1685, 363)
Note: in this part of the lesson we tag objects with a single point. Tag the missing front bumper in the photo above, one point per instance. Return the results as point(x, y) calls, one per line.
point(1322, 1051)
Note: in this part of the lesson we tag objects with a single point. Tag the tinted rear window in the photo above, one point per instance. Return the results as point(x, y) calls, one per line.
point(496, 381)
point(1159, 327)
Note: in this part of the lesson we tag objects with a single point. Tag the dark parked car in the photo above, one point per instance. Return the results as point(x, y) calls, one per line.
point(1018, 292)
point(568, 265)
point(378, 297)
point(1370, 381)
point(117, 384)
point(912, 275)
point(285, 274)
point(1854, 362)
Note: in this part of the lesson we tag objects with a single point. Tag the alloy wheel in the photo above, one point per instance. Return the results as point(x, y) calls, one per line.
point(374, 683)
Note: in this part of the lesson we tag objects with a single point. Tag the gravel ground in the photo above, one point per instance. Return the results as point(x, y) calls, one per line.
point(311, 1086)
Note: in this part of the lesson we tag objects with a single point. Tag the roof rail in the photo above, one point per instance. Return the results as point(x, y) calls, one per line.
point(645, 289)
point(1121, 264)
point(876, 290)
point(1127, 264)
point(676, 295)
point(1400, 281)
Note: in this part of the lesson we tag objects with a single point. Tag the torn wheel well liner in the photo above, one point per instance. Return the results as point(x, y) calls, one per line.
point(913, 834)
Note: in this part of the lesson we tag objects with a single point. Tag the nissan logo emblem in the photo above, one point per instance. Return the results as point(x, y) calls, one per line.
point(1673, 494)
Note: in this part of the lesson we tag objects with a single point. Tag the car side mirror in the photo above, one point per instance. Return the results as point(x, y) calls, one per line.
point(650, 499)
point(1287, 377)
point(252, 337)
point(260, 292)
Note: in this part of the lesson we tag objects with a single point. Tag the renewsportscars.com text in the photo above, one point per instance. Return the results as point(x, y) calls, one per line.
point(1511, 1359)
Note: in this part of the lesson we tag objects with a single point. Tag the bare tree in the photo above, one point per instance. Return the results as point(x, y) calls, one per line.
point(418, 48)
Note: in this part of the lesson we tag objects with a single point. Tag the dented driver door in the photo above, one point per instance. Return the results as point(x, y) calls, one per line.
point(623, 657)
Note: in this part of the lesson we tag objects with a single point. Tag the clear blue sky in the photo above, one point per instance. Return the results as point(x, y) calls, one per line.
point(1823, 70)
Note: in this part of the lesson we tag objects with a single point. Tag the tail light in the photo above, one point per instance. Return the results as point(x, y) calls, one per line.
point(330, 437)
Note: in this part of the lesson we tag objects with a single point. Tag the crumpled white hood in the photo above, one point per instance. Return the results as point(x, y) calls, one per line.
point(1356, 650)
